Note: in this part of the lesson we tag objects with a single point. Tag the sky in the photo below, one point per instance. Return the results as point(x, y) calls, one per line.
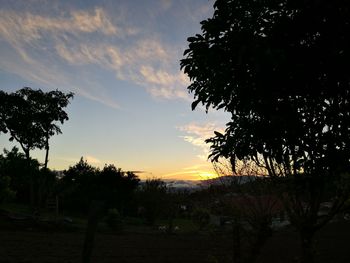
point(121, 59)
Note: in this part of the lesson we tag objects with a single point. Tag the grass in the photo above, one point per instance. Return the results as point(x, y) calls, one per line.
point(16, 208)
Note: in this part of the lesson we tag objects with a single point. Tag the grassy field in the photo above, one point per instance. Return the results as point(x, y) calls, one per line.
point(30, 242)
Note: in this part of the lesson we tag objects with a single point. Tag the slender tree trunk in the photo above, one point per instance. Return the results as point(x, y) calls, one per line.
point(307, 249)
point(260, 239)
point(42, 179)
point(47, 148)
point(31, 179)
point(95, 213)
point(236, 241)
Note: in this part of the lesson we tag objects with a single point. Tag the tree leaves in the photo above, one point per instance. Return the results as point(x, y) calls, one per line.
point(30, 116)
point(273, 65)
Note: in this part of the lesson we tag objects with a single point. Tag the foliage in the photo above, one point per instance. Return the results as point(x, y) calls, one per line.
point(31, 116)
point(153, 199)
point(83, 183)
point(14, 165)
point(281, 68)
point(114, 219)
point(201, 217)
point(2, 110)
point(5, 191)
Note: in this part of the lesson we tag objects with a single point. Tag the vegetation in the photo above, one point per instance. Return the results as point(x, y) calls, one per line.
point(30, 117)
point(281, 69)
point(83, 183)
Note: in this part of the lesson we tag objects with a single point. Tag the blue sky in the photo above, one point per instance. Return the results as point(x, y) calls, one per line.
point(121, 59)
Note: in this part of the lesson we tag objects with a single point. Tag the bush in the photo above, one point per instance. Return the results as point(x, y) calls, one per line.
point(5, 192)
point(114, 219)
point(201, 217)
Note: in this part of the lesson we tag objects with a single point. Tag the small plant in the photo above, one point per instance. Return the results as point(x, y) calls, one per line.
point(201, 217)
point(5, 192)
point(114, 219)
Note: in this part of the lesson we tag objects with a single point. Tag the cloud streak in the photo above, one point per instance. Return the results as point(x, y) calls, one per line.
point(196, 134)
point(49, 48)
point(29, 27)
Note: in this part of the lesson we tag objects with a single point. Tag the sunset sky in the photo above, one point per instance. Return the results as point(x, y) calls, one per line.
point(121, 59)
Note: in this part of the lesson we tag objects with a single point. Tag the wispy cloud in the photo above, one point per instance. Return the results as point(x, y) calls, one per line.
point(145, 62)
point(33, 38)
point(30, 27)
point(196, 134)
point(198, 172)
point(166, 4)
point(92, 160)
point(50, 47)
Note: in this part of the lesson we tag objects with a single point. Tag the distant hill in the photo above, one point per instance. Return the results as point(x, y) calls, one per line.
point(223, 180)
point(194, 185)
point(183, 184)
point(228, 180)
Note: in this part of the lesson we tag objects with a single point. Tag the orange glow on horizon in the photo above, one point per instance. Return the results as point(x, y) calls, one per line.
point(194, 175)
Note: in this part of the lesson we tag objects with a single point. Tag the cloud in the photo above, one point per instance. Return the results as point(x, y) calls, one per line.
point(30, 27)
point(196, 134)
point(196, 173)
point(55, 49)
point(166, 4)
point(164, 84)
point(146, 62)
point(92, 160)
point(203, 130)
point(35, 38)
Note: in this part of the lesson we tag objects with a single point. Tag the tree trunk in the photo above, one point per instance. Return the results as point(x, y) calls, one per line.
point(95, 213)
point(47, 148)
point(236, 241)
point(31, 179)
point(307, 249)
point(260, 239)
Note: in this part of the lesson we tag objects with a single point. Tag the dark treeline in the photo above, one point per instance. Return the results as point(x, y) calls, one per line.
point(81, 184)
point(30, 118)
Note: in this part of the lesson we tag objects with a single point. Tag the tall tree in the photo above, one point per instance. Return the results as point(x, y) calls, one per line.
point(282, 69)
point(19, 117)
point(2, 111)
point(31, 116)
point(83, 183)
point(51, 112)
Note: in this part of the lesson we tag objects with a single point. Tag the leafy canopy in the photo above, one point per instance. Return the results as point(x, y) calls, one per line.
point(31, 116)
point(282, 69)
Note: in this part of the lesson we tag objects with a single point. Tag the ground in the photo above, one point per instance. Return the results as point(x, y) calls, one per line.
point(24, 243)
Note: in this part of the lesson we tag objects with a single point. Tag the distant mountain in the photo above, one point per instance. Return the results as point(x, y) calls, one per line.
point(179, 184)
point(185, 184)
point(228, 180)
point(194, 185)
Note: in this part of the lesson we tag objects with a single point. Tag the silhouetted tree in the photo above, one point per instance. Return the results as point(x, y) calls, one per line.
point(83, 183)
point(76, 186)
point(18, 113)
point(281, 68)
point(152, 197)
point(50, 110)
point(2, 111)
point(116, 186)
point(252, 204)
point(14, 165)
point(31, 116)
